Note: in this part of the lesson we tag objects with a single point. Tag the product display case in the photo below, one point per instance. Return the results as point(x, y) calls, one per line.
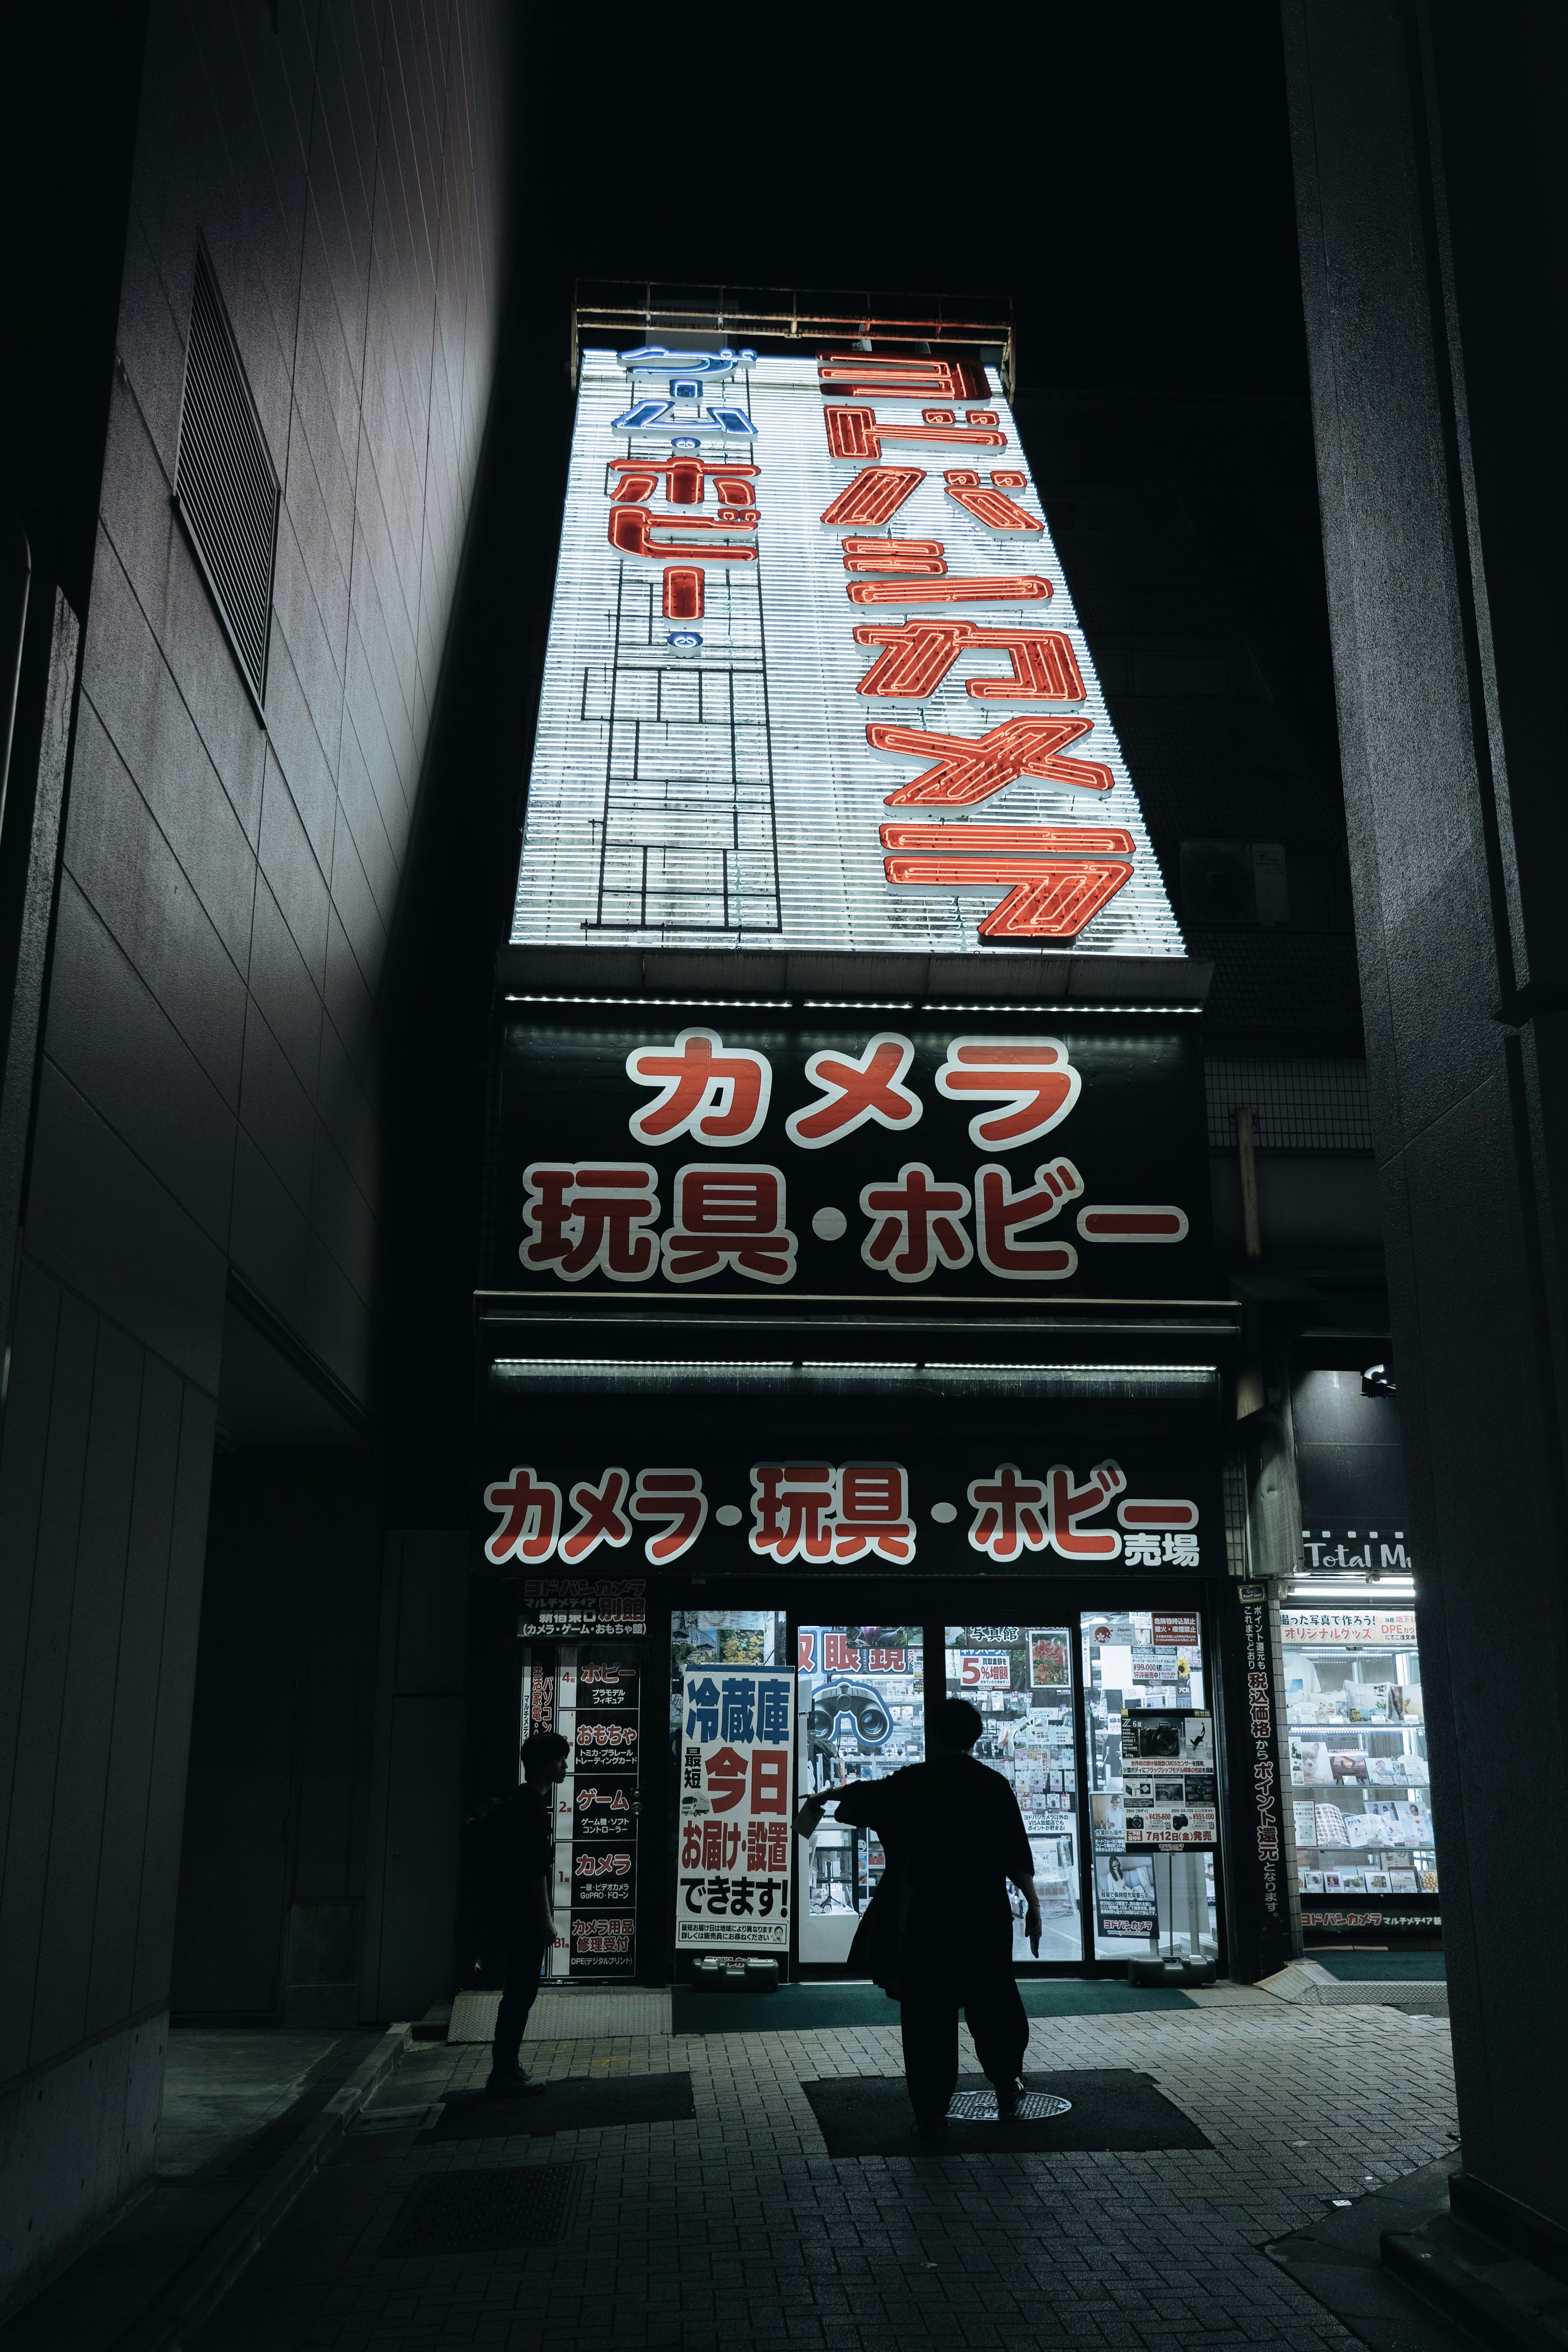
point(862, 1705)
point(1359, 1776)
point(1020, 1677)
point(1148, 1739)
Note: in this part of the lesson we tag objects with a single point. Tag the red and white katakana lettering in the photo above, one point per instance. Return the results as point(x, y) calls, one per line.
point(727, 1216)
point(1151, 1511)
point(687, 538)
point(591, 1219)
point(918, 1225)
point(1055, 887)
point(873, 1512)
point(792, 1504)
point(992, 508)
point(855, 1088)
point(675, 1500)
point(1131, 1222)
point(969, 770)
point(1001, 1215)
point(1008, 588)
point(1007, 1516)
point(684, 480)
point(854, 432)
point(1031, 1076)
point(601, 1518)
point(873, 498)
point(530, 1511)
point(896, 559)
point(1067, 1505)
point(917, 655)
point(896, 377)
point(719, 1095)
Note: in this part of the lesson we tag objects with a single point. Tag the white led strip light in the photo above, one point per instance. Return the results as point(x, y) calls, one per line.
point(724, 794)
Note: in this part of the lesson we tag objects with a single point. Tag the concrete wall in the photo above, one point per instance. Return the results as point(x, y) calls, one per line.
point(210, 1089)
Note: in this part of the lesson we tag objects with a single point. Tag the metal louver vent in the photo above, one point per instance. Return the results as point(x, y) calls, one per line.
point(224, 488)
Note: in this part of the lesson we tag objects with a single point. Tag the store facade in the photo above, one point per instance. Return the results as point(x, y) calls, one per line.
point(852, 1335)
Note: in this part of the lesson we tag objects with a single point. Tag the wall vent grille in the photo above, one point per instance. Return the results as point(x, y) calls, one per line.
point(226, 489)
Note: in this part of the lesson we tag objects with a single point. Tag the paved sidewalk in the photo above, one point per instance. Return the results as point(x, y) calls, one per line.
point(735, 2233)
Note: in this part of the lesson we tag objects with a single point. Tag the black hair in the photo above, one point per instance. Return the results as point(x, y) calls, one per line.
point(954, 1723)
point(543, 1750)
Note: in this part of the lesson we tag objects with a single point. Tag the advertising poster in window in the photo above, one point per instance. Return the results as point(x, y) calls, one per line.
point(1168, 1779)
point(596, 1811)
point(734, 1850)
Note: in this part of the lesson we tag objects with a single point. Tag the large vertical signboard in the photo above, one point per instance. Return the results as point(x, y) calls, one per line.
point(590, 1693)
point(734, 1858)
point(815, 677)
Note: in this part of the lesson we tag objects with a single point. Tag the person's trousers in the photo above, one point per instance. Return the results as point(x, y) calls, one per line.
point(994, 2011)
point(526, 1946)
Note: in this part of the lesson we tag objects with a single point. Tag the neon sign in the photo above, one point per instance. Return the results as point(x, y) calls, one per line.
point(796, 598)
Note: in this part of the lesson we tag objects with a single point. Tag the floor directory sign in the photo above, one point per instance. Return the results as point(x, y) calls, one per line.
point(734, 1848)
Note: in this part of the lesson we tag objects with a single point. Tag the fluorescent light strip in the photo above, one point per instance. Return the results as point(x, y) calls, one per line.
point(838, 1005)
point(643, 1364)
point(674, 1003)
point(1194, 1372)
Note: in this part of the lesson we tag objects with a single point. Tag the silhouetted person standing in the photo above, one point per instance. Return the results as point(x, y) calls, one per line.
point(521, 1859)
point(938, 1933)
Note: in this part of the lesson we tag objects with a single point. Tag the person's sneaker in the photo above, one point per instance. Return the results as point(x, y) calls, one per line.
point(931, 2127)
point(1007, 2097)
point(512, 2083)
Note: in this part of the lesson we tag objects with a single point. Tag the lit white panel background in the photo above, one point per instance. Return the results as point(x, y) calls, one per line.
point(729, 797)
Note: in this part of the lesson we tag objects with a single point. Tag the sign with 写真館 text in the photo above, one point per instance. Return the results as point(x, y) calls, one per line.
point(815, 678)
point(736, 1152)
point(733, 1844)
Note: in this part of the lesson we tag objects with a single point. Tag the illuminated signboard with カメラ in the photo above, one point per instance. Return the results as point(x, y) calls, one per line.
point(815, 678)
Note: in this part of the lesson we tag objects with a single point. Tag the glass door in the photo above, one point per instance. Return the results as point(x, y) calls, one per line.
point(1153, 1790)
point(862, 1716)
point(1020, 1677)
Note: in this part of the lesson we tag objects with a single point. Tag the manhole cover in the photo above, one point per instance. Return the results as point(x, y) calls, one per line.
point(980, 2107)
point(488, 2211)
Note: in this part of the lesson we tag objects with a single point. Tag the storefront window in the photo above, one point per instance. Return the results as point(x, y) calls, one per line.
point(1152, 1812)
point(862, 1702)
point(1358, 1768)
point(1020, 1677)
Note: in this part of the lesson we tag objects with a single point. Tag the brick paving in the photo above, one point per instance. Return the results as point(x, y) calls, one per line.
point(735, 2232)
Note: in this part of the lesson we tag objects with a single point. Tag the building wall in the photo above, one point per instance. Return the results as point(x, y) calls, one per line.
point(210, 1093)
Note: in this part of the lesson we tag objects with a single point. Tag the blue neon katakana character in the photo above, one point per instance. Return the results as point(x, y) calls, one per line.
point(702, 1709)
point(686, 376)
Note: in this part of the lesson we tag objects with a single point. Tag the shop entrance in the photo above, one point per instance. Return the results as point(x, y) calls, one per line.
point(1052, 1667)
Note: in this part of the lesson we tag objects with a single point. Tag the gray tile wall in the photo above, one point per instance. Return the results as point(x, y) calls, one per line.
point(210, 1087)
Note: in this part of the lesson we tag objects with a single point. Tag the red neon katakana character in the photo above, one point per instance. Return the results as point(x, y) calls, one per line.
point(726, 1769)
point(791, 1504)
point(971, 770)
point(1133, 1222)
point(1031, 1076)
point(917, 655)
point(895, 377)
point(873, 1512)
point(918, 1224)
point(992, 508)
point(674, 1498)
point(856, 1088)
point(896, 559)
point(1006, 1513)
point(529, 1510)
point(716, 1095)
point(729, 1217)
point(1000, 1212)
point(1009, 588)
point(689, 538)
point(1051, 893)
point(587, 1220)
point(1068, 1504)
point(684, 480)
point(602, 1520)
point(873, 498)
point(770, 1781)
point(854, 432)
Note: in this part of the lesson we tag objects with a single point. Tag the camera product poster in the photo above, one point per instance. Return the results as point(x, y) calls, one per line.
point(1168, 1779)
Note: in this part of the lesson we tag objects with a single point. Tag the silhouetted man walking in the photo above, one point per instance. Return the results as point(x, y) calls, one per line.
point(519, 1893)
point(938, 1933)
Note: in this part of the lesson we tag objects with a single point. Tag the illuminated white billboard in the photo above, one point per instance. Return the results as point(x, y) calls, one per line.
point(815, 678)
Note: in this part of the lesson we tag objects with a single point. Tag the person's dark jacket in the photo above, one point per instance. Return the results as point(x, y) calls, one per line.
point(953, 1836)
point(510, 1851)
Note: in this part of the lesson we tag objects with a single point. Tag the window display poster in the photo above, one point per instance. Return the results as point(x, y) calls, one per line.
point(597, 1710)
point(1048, 1668)
point(734, 1850)
point(1168, 1779)
point(1124, 1896)
point(1108, 1824)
